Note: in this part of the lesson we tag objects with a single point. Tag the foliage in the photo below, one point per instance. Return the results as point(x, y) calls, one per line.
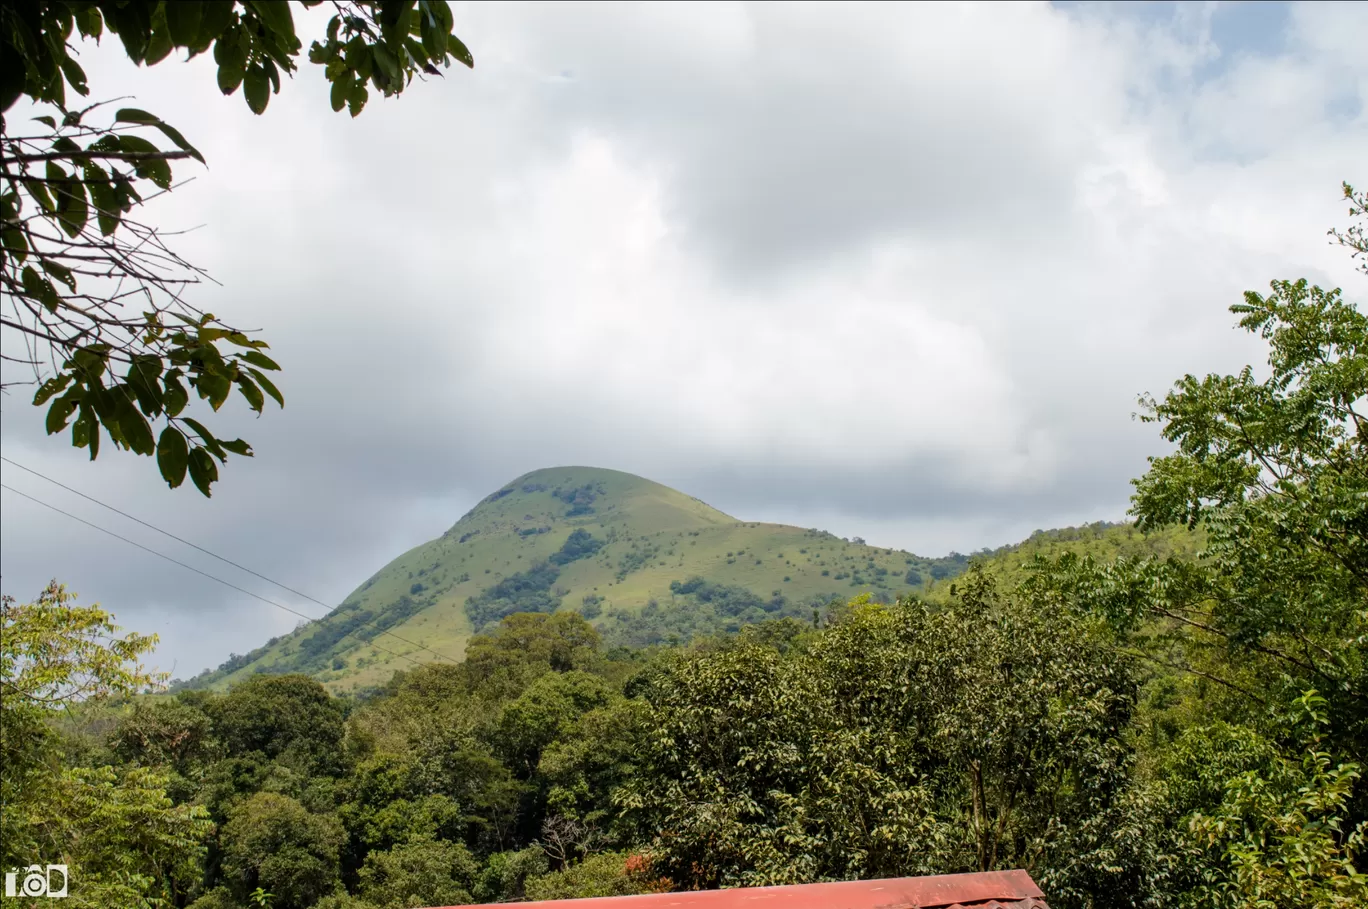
point(905, 740)
point(118, 831)
point(1283, 830)
point(278, 714)
point(273, 841)
point(418, 874)
point(524, 591)
point(602, 874)
point(96, 290)
point(169, 733)
point(54, 653)
point(1354, 237)
point(579, 545)
point(544, 713)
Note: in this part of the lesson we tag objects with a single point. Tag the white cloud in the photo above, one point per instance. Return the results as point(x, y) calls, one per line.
point(896, 267)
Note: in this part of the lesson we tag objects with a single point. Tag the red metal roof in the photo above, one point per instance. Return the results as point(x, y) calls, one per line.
point(986, 890)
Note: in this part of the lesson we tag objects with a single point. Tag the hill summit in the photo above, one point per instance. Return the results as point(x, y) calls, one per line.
point(645, 563)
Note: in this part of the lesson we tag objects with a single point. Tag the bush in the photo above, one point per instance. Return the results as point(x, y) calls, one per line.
point(579, 545)
point(603, 874)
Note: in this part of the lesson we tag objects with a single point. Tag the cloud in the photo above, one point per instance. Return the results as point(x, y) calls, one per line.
point(894, 271)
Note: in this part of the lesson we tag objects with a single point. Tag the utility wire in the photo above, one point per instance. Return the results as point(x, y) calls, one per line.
point(167, 533)
point(199, 572)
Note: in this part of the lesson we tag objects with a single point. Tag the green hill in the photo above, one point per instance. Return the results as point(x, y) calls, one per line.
point(1103, 541)
point(645, 563)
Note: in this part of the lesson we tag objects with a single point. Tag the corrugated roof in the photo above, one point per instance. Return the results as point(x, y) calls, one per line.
point(986, 890)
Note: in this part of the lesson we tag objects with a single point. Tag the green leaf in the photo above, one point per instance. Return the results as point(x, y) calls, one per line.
point(48, 121)
point(60, 412)
point(38, 192)
point(256, 88)
point(356, 97)
point(218, 15)
point(108, 212)
point(133, 115)
point(12, 238)
point(159, 44)
point(340, 88)
point(142, 117)
point(85, 432)
point(142, 378)
point(434, 40)
point(173, 455)
point(275, 15)
point(214, 388)
point(203, 470)
point(230, 53)
point(175, 136)
point(158, 170)
point(206, 437)
point(50, 388)
point(257, 358)
point(176, 396)
point(74, 75)
point(133, 426)
point(183, 18)
point(104, 406)
point(237, 447)
point(249, 390)
point(90, 22)
point(40, 289)
point(268, 385)
point(58, 271)
point(456, 47)
point(72, 210)
point(389, 64)
point(133, 25)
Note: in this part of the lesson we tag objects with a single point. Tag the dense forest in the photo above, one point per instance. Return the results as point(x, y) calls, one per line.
point(1169, 713)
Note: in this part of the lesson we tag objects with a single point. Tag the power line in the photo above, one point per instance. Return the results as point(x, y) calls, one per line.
point(167, 533)
point(199, 572)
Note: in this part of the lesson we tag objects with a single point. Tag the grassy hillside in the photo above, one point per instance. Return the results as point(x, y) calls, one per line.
point(631, 567)
point(1102, 541)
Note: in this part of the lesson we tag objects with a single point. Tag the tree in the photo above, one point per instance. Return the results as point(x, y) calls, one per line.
point(273, 841)
point(98, 296)
point(1268, 622)
point(125, 842)
point(525, 645)
point(907, 739)
point(546, 711)
point(165, 732)
point(417, 874)
point(53, 653)
point(284, 714)
point(1275, 472)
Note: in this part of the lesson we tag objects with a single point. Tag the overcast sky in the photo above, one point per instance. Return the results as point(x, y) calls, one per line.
point(894, 271)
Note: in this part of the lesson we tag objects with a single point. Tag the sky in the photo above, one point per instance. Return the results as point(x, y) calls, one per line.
point(895, 271)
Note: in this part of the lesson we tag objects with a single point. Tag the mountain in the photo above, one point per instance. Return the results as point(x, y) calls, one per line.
point(644, 562)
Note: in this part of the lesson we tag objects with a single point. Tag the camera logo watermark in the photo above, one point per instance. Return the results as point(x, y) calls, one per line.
point(38, 880)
